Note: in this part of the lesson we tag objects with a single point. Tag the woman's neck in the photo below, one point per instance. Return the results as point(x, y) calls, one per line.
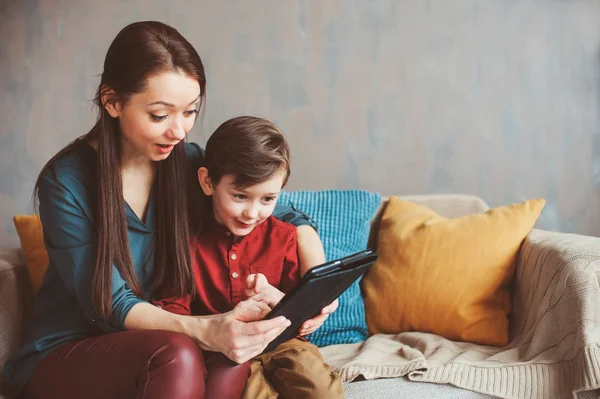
point(130, 159)
point(133, 159)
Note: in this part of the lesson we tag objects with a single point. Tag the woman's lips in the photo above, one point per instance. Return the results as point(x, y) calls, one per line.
point(164, 149)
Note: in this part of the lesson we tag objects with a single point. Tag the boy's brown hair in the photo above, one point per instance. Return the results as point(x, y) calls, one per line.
point(251, 149)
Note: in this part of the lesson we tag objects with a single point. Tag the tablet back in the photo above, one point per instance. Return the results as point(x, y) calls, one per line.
point(317, 289)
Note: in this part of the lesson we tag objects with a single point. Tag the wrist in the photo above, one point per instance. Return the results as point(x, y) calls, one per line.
point(205, 332)
point(196, 327)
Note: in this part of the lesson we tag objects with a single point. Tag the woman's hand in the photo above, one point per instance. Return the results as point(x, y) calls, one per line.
point(310, 326)
point(242, 334)
point(258, 284)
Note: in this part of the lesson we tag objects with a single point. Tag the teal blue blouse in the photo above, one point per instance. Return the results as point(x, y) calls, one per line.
point(63, 309)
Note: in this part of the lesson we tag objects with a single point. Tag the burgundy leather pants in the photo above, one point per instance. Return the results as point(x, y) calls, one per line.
point(136, 364)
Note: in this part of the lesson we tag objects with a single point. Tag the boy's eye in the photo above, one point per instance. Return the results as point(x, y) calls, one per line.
point(239, 196)
point(269, 199)
point(190, 112)
point(158, 118)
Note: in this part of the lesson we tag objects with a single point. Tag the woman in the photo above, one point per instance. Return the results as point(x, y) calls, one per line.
point(114, 208)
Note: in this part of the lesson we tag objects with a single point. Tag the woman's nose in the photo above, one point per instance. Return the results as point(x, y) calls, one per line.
point(177, 130)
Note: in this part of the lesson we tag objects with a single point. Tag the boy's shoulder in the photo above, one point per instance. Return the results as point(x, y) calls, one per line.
point(275, 227)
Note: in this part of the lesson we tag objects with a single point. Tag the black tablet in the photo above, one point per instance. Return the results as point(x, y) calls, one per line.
point(317, 289)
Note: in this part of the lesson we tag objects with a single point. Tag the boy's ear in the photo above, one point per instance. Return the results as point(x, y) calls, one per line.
point(109, 102)
point(204, 181)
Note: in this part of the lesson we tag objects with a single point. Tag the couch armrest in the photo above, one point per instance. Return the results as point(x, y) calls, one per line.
point(15, 304)
point(556, 293)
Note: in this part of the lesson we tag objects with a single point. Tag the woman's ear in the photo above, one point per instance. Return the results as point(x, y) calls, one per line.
point(205, 181)
point(110, 102)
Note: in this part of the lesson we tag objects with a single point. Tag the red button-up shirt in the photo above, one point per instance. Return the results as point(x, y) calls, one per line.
point(221, 263)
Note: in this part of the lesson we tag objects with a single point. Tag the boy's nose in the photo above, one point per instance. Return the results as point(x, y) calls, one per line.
point(251, 212)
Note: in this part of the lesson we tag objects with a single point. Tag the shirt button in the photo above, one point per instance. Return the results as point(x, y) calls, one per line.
point(233, 256)
point(235, 275)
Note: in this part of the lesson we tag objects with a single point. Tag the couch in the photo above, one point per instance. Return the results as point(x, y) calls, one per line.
point(554, 251)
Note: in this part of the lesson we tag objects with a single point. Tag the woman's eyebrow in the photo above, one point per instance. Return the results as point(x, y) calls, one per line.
point(172, 105)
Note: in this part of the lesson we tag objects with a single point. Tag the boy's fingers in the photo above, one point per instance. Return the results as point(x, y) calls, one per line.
point(261, 282)
point(332, 307)
point(250, 281)
point(315, 321)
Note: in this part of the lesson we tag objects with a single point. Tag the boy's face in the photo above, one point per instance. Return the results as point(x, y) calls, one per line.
point(241, 210)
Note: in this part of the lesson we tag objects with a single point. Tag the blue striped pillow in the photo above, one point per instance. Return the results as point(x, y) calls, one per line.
point(343, 219)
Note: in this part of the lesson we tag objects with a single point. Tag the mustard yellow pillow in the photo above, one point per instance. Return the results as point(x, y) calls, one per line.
point(450, 277)
point(29, 228)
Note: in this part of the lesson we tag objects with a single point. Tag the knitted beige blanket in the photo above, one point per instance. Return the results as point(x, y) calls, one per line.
point(555, 350)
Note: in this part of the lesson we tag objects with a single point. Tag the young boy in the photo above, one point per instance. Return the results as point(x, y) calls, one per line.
point(245, 251)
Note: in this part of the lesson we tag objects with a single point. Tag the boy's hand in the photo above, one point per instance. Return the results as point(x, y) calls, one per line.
point(258, 284)
point(310, 326)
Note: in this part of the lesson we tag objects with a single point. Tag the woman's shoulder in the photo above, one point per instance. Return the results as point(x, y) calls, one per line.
point(75, 168)
point(195, 154)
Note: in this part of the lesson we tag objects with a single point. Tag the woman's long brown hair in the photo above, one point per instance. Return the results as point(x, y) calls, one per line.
point(139, 51)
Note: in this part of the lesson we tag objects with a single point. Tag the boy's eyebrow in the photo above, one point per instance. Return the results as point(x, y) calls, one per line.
point(243, 190)
point(172, 105)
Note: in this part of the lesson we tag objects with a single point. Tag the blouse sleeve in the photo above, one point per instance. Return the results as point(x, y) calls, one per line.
point(70, 240)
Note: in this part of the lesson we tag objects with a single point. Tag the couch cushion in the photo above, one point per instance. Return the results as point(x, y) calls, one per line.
point(399, 388)
point(449, 277)
point(343, 218)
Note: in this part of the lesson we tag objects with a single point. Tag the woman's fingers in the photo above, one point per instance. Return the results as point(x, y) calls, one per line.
point(250, 310)
point(249, 315)
point(253, 345)
point(264, 328)
point(252, 338)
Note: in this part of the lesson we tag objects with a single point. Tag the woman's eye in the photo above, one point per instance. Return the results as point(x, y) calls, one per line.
point(158, 118)
point(190, 112)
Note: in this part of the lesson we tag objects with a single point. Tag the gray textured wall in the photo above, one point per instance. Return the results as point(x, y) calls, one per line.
point(498, 98)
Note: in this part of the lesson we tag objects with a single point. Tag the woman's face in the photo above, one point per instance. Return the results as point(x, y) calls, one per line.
point(155, 120)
